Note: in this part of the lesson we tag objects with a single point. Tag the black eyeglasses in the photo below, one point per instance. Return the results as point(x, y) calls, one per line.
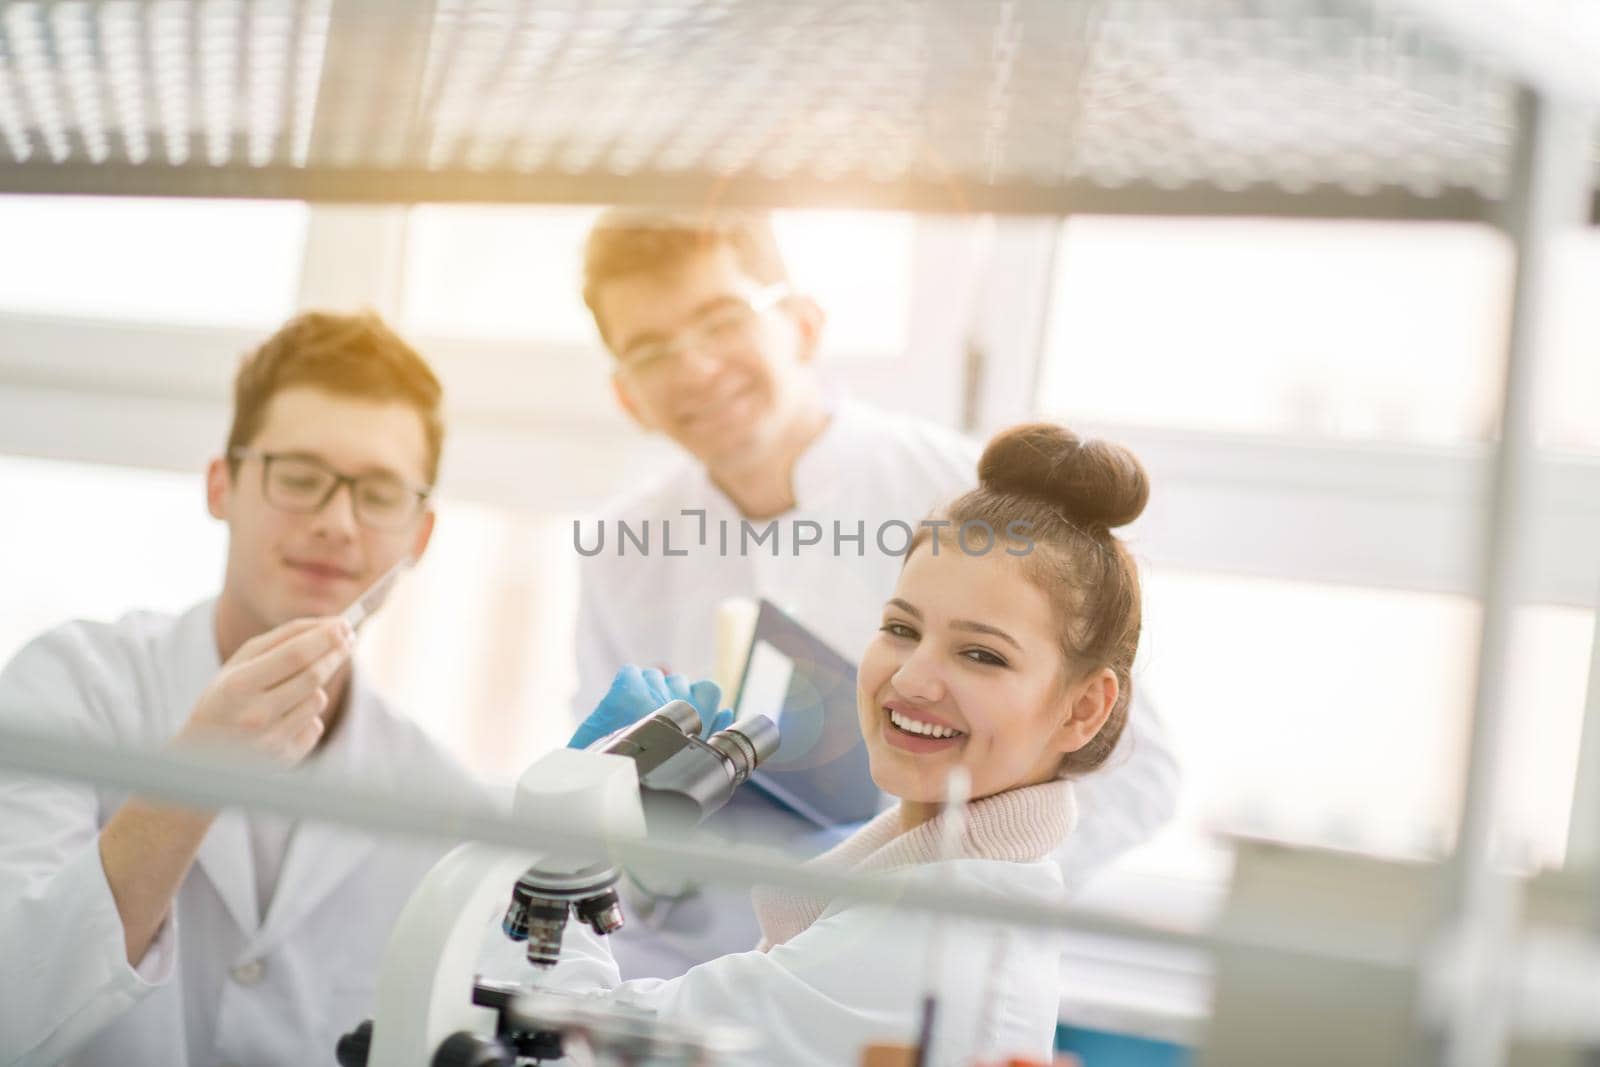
point(304, 486)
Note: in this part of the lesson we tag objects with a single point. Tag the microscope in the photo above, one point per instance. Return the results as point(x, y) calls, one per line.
point(656, 776)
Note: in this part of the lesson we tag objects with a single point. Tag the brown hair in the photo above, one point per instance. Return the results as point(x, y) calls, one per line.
point(1071, 493)
point(351, 355)
point(631, 241)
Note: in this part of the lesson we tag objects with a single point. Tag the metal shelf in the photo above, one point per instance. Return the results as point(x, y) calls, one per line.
point(1309, 107)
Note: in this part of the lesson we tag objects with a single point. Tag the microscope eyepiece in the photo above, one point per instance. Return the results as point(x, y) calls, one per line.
point(681, 714)
point(747, 744)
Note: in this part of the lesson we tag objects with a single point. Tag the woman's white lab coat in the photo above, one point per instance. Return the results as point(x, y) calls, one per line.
point(858, 974)
point(219, 985)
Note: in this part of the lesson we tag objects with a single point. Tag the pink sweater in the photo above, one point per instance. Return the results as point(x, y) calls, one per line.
point(1020, 826)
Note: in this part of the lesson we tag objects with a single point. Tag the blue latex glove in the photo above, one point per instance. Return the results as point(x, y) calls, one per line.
point(637, 692)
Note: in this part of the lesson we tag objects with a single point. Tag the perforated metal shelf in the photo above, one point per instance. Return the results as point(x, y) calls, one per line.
point(1309, 106)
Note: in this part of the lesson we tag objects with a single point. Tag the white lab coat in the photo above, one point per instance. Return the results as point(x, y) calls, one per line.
point(218, 985)
point(869, 466)
point(858, 975)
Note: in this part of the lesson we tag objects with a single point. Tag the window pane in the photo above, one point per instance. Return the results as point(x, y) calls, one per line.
point(1550, 652)
point(497, 272)
point(477, 642)
point(1371, 331)
point(1569, 417)
point(210, 262)
point(858, 266)
point(515, 273)
point(96, 542)
point(1338, 716)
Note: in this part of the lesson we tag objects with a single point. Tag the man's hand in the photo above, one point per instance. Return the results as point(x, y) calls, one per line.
point(269, 698)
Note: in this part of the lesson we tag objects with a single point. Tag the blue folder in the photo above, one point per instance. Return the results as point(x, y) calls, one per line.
point(820, 769)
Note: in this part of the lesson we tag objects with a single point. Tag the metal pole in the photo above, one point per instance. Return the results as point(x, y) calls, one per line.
point(1548, 194)
point(1583, 828)
point(1557, 1000)
point(214, 782)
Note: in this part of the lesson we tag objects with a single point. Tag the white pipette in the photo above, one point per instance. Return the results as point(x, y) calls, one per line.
point(368, 603)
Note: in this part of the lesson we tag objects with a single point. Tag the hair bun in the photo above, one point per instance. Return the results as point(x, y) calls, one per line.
point(1092, 483)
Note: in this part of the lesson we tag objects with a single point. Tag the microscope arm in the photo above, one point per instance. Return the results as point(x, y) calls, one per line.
point(433, 954)
point(434, 949)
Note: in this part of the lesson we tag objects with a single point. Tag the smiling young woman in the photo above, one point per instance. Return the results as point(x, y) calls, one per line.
point(1013, 663)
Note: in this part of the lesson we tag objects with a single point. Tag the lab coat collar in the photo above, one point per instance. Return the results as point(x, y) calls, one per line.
point(224, 857)
point(321, 855)
point(225, 860)
point(815, 471)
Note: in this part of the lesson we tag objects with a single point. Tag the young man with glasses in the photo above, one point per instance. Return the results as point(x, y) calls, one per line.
point(135, 932)
point(714, 350)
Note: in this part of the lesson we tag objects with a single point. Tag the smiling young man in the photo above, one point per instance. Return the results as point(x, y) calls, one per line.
point(715, 350)
point(133, 932)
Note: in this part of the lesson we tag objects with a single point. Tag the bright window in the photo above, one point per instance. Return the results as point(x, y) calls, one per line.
point(1338, 716)
point(1385, 332)
point(478, 641)
point(1368, 331)
point(1569, 415)
point(207, 262)
point(858, 266)
point(97, 542)
point(516, 273)
point(497, 272)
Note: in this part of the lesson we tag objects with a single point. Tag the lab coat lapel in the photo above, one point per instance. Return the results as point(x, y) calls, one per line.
point(816, 471)
point(224, 856)
point(225, 860)
point(321, 855)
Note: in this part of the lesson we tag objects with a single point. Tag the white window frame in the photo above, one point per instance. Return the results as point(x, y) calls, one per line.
point(89, 390)
point(1387, 516)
